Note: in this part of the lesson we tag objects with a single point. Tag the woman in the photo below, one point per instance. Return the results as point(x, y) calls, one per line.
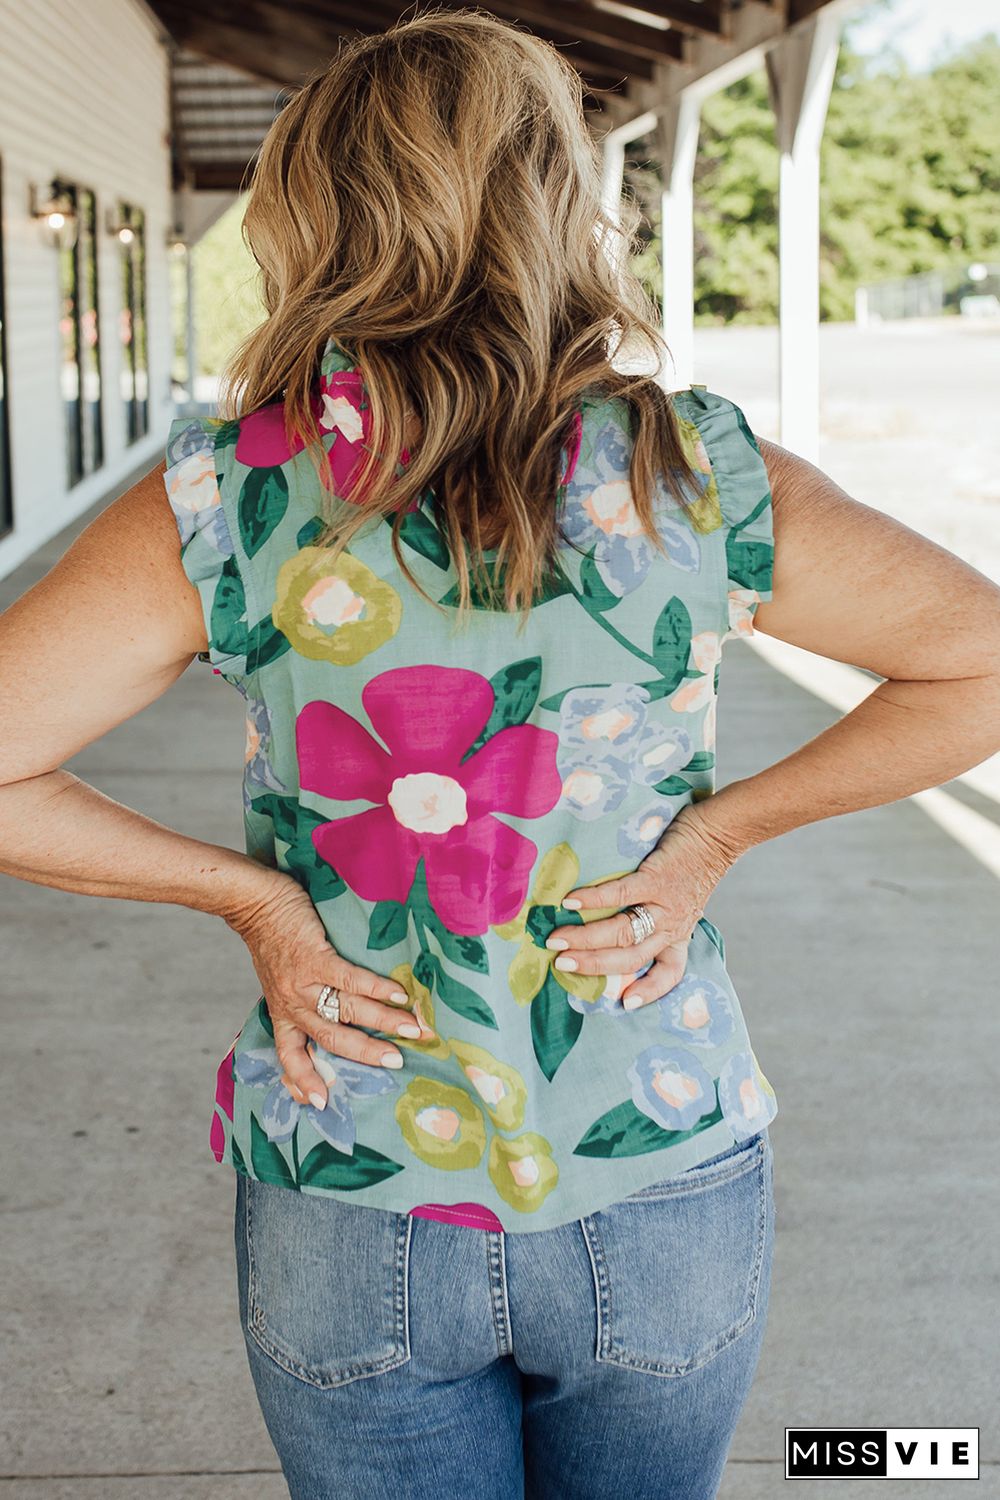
point(504, 1201)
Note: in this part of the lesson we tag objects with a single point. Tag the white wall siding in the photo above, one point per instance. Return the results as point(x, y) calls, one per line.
point(84, 95)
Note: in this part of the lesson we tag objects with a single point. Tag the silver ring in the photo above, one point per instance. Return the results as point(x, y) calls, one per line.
point(328, 1004)
point(641, 918)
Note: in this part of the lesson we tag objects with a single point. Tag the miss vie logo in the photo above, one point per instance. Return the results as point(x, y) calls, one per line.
point(881, 1452)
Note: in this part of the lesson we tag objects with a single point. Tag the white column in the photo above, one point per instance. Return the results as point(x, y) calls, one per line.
point(800, 71)
point(190, 328)
point(677, 134)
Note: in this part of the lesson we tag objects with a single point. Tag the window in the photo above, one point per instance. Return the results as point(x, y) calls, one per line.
point(6, 497)
point(135, 360)
point(79, 332)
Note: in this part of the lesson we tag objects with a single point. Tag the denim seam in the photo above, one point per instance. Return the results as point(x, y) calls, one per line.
point(602, 1288)
point(497, 1267)
point(728, 1169)
point(343, 1374)
point(606, 1351)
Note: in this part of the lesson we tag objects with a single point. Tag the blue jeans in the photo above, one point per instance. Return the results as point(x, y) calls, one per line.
point(400, 1357)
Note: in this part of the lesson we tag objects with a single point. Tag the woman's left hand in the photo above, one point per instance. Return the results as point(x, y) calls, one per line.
point(674, 881)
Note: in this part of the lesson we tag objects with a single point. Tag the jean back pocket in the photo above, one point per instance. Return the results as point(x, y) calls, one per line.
point(678, 1266)
point(326, 1283)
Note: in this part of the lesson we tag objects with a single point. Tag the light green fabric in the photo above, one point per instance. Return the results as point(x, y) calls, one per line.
point(439, 791)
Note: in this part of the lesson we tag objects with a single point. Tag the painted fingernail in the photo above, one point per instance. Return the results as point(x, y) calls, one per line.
point(317, 1101)
point(392, 1059)
point(556, 943)
point(408, 1030)
point(562, 962)
point(398, 998)
point(571, 903)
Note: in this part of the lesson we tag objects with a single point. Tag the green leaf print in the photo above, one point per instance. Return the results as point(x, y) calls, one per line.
point(701, 760)
point(237, 1156)
point(282, 811)
point(294, 825)
point(264, 1017)
point(466, 951)
point(626, 1131)
point(387, 924)
point(672, 643)
point(554, 585)
point(673, 786)
point(319, 879)
point(226, 433)
point(311, 529)
point(326, 1167)
point(749, 563)
point(597, 597)
point(542, 921)
point(262, 504)
point(714, 936)
point(457, 996)
point(268, 1162)
point(425, 969)
point(418, 531)
point(229, 610)
point(515, 693)
point(267, 643)
point(555, 1026)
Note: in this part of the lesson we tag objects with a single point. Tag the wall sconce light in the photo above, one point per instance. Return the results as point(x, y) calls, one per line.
point(55, 210)
point(120, 225)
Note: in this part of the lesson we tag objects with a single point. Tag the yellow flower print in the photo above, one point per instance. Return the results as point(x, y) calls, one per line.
point(422, 1006)
point(522, 1170)
point(705, 513)
point(500, 1087)
point(557, 874)
point(338, 614)
point(441, 1124)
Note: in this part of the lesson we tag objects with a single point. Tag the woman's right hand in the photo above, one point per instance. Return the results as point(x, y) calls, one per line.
point(294, 959)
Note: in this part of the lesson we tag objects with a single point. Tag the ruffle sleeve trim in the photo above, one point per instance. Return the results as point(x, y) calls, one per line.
point(207, 549)
point(744, 500)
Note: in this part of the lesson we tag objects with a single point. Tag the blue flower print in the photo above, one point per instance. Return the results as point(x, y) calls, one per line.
point(698, 1011)
point(641, 832)
point(609, 1000)
point(671, 1087)
point(258, 774)
point(606, 742)
point(280, 1112)
point(747, 1099)
point(193, 488)
point(599, 513)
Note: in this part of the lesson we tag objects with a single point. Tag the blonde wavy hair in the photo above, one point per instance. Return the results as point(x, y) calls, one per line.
point(432, 201)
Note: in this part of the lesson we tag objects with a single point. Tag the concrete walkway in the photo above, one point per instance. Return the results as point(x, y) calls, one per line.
point(865, 952)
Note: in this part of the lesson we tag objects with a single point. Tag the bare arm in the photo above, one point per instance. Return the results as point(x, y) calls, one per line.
point(856, 585)
point(101, 636)
point(852, 584)
point(105, 633)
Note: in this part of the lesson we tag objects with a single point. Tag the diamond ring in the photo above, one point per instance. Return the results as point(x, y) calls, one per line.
point(328, 1004)
point(641, 918)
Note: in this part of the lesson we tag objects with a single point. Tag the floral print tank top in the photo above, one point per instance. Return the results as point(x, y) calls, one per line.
point(437, 791)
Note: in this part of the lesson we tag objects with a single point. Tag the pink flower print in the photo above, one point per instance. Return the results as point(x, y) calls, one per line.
point(472, 1215)
point(696, 692)
point(573, 447)
point(741, 611)
point(338, 407)
point(430, 802)
point(224, 1088)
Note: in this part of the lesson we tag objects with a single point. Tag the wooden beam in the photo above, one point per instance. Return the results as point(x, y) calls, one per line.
point(697, 19)
point(573, 18)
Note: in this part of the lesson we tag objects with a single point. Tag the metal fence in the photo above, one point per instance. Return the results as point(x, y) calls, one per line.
point(965, 290)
